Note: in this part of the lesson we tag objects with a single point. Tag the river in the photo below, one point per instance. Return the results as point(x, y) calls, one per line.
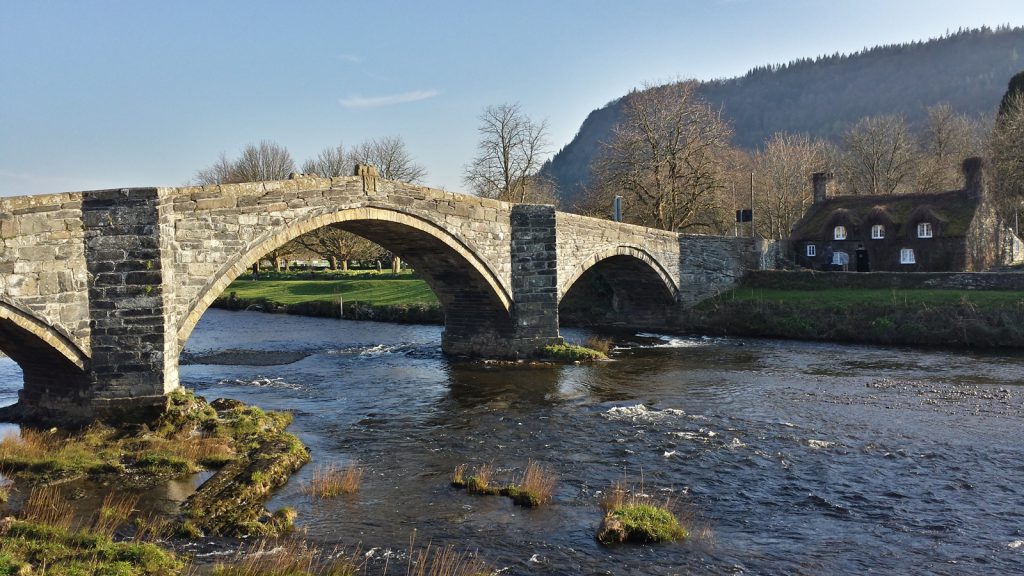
point(786, 457)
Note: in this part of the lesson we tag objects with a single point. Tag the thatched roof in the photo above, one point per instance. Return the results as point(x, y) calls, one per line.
point(952, 210)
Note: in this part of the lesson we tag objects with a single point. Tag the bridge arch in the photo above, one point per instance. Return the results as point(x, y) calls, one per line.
point(621, 285)
point(22, 331)
point(53, 367)
point(471, 293)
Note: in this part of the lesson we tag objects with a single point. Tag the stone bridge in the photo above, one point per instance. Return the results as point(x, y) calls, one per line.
point(99, 291)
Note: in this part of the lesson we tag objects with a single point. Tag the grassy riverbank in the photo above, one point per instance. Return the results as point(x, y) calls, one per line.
point(931, 317)
point(357, 295)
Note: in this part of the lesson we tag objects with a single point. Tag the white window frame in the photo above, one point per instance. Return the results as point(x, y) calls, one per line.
point(877, 232)
point(924, 229)
point(839, 233)
point(907, 256)
point(812, 250)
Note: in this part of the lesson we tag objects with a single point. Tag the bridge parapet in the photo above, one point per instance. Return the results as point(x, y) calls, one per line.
point(42, 262)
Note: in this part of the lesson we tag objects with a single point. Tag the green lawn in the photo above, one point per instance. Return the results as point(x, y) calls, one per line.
point(846, 297)
point(369, 291)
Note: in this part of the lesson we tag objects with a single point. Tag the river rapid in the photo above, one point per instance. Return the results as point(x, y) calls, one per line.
point(785, 457)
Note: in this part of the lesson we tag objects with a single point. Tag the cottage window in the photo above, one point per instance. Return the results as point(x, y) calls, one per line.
point(907, 256)
point(812, 250)
point(924, 230)
point(877, 232)
point(840, 233)
point(840, 258)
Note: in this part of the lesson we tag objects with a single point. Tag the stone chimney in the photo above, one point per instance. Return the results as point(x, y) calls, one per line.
point(821, 181)
point(974, 175)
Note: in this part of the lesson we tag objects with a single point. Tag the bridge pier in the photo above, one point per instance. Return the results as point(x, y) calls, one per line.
point(534, 257)
point(134, 360)
point(534, 316)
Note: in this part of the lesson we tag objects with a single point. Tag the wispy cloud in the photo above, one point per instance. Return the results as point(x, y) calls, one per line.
point(357, 101)
point(350, 58)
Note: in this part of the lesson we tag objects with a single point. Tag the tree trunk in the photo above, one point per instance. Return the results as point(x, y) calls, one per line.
point(396, 265)
point(277, 264)
point(344, 264)
point(334, 262)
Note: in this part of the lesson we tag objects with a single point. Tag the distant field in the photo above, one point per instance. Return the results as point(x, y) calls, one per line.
point(370, 291)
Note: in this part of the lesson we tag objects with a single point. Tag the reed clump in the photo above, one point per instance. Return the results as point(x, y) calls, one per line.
point(602, 344)
point(298, 557)
point(330, 481)
point(114, 512)
point(535, 488)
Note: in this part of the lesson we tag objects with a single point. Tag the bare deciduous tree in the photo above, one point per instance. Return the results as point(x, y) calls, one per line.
point(666, 158)
point(264, 161)
point(509, 155)
point(219, 173)
point(336, 245)
point(879, 156)
point(782, 181)
point(330, 162)
point(947, 138)
point(391, 158)
point(257, 163)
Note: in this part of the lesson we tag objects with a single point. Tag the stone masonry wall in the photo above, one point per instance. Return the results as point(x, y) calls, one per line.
point(42, 262)
point(534, 275)
point(126, 299)
point(219, 230)
point(583, 241)
point(712, 264)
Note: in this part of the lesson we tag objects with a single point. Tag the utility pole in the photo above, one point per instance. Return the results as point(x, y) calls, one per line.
point(736, 222)
point(752, 227)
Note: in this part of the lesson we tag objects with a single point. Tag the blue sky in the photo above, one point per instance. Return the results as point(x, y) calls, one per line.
point(99, 94)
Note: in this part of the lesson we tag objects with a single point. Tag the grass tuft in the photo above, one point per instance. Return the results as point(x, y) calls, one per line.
point(115, 511)
point(330, 481)
point(45, 505)
point(459, 476)
point(571, 353)
point(480, 482)
point(601, 344)
point(633, 517)
point(536, 488)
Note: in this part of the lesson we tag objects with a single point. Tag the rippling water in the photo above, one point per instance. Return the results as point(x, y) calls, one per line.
point(789, 457)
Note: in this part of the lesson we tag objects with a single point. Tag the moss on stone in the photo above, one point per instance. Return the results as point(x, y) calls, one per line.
point(250, 446)
point(231, 502)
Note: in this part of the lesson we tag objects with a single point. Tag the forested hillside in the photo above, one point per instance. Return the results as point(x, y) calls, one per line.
point(824, 96)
